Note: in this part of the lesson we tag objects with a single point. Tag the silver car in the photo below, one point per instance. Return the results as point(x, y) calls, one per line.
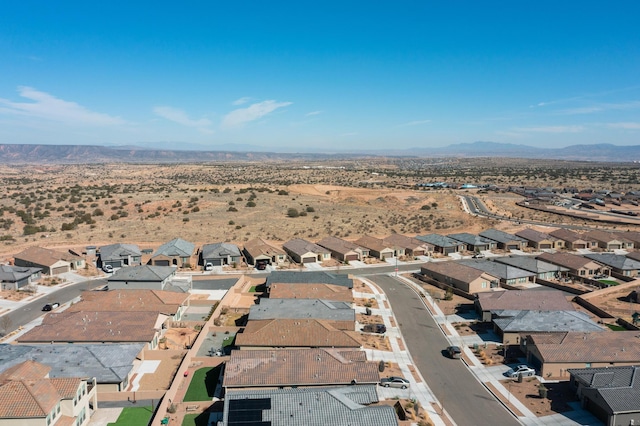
point(395, 382)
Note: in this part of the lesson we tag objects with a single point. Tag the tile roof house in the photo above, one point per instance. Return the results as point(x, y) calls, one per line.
point(29, 396)
point(377, 247)
point(219, 254)
point(142, 277)
point(97, 327)
point(635, 255)
point(609, 240)
point(442, 244)
point(411, 246)
point(313, 277)
point(340, 314)
point(347, 405)
point(507, 274)
point(294, 333)
point(578, 265)
point(470, 280)
point(619, 264)
point(111, 365)
point(573, 240)
point(119, 255)
point(543, 270)
point(520, 300)
point(474, 242)
point(52, 262)
point(17, 277)
point(343, 250)
point(505, 240)
point(310, 291)
point(554, 353)
point(303, 251)
point(258, 250)
point(611, 394)
point(176, 252)
point(539, 240)
point(299, 367)
point(634, 237)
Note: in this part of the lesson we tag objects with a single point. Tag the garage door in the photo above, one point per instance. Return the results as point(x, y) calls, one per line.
point(60, 270)
point(351, 257)
point(161, 263)
point(513, 247)
point(216, 262)
point(308, 259)
point(615, 247)
point(545, 246)
point(387, 256)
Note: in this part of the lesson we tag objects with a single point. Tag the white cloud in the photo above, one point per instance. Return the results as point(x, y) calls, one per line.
point(414, 123)
point(601, 107)
point(238, 117)
point(48, 107)
point(551, 129)
point(178, 116)
point(627, 126)
point(241, 101)
point(309, 114)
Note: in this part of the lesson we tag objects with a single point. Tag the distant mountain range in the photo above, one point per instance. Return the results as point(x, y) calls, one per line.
point(16, 154)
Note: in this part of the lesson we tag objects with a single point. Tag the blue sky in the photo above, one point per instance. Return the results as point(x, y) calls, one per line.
point(320, 75)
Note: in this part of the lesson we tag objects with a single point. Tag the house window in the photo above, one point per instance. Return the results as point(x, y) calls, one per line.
point(484, 284)
point(582, 272)
point(587, 365)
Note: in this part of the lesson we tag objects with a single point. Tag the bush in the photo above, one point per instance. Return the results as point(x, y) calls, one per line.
point(310, 209)
point(251, 204)
point(293, 212)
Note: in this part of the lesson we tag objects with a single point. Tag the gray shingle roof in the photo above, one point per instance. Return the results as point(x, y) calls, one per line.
point(302, 308)
point(619, 387)
point(9, 273)
point(500, 270)
point(175, 247)
point(119, 251)
point(143, 273)
point(312, 277)
point(617, 261)
point(544, 321)
point(300, 246)
point(220, 250)
point(530, 263)
point(471, 239)
point(500, 236)
point(439, 240)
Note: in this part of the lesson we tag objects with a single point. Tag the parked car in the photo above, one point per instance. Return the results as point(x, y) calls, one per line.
point(395, 382)
point(523, 370)
point(50, 306)
point(478, 256)
point(261, 266)
point(208, 266)
point(374, 328)
point(600, 276)
point(454, 352)
point(107, 268)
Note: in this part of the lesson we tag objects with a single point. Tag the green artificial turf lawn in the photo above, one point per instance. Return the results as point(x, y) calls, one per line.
point(203, 384)
point(134, 416)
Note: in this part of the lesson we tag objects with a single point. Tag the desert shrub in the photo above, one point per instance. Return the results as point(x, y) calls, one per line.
point(292, 212)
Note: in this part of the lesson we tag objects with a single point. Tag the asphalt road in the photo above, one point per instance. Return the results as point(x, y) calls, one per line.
point(464, 398)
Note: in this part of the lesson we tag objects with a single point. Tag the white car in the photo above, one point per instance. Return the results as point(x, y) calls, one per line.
point(107, 268)
point(520, 370)
point(208, 267)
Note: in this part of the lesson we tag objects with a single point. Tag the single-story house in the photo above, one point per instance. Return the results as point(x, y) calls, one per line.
point(220, 254)
point(474, 242)
point(30, 397)
point(611, 394)
point(578, 266)
point(442, 244)
point(507, 274)
point(52, 262)
point(119, 255)
point(505, 240)
point(259, 251)
point(618, 263)
point(142, 277)
point(343, 250)
point(411, 246)
point(307, 278)
point(540, 240)
point(462, 277)
point(554, 353)
point(635, 255)
point(346, 405)
point(609, 240)
point(543, 270)
point(573, 240)
point(333, 292)
point(17, 277)
point(314, 367)
point(632, 236)
point(520, 300)
point(340, 314)
point(176, 252)
point(303, 251)
point(377, 247)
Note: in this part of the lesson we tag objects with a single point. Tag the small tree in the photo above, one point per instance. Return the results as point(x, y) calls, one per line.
point(542, 390)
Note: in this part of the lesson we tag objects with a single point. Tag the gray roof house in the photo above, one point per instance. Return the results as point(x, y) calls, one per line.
point(303, 251)
point(346, 405)
point(508, 275)
point(505, 240)
point(176, 252)
point(618, 263)
point(17, 277)
point(612, 394)
point(543, 270)
point(312, 277)
point(219, 254)
point(474, 242)
point(303, 308)
point(119, 255)
point(142, 277)
point(442, 244)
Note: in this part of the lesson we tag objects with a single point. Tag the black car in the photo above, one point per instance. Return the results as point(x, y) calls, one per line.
point(50, 306)
point(374, 328)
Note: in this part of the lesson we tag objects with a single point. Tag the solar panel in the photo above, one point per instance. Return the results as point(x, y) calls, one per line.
point(248, 412)
point(250, 404)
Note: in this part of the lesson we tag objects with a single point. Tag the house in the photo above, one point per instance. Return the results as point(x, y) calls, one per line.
point(573, 240)
point(17, 277)
point(333, 292)
point(51, 262)
point(543, 270)
point(176, 252)
point(142, 277)
point(294, 333)
point(30, 397)
point(554, 353)
point(97, 327)
point(111, 365)
point(259, 251)
point(340, 314)
point(539, 240)
point(220, 254)
point(299, 367)
point(504, 240)
point(578, 266)
point(507, 274)
point(306, 278)
point(411, 246)
point(119, 255)
point(635, 255)
point(303, 251)
point(618, 263)
point(343, 250)
point(442, 244)
point(632, 236)
point(474, 242)
point(377, 247)
point(520, 300)
point(611, 394)
point(467, 279)
point(346, 405)
point(609, 240)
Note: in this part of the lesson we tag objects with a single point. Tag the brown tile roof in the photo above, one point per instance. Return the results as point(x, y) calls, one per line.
point(44, 256)
point(635, 255)
point(298, 367)
point(67, 387)
point(166, 302)
point(604, 236)
point(568, 260)
point(333, 292)
point(632, 236)
point(258, 246)
point(27, 370)
point(399, 240)
point(457, 271)
point(519, 300)
point(372, 243)
point(608, 346)
point(567, 235)
point(86, 326)
point(338, 245)
point(535, 236)
point(294, 333)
